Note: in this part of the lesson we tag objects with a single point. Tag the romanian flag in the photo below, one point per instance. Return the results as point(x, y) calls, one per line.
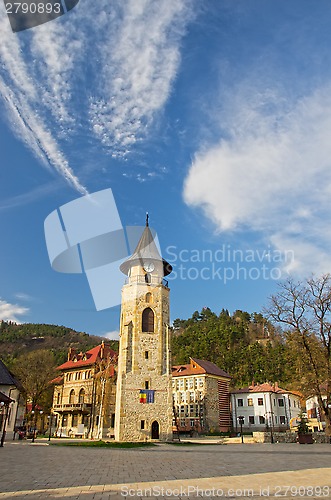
point(150, 396)
point(143, 396)
point(146, 396)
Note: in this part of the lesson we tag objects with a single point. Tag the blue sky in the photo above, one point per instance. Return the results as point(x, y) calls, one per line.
point(213, 116)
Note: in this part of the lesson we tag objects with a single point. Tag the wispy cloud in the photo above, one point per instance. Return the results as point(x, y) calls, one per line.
point(271, 174)
point(23, 296)
point(31, 196)
point(54, 61)
point(103, 72)
point(11, 312)
point(140, 58)
point(19, 91)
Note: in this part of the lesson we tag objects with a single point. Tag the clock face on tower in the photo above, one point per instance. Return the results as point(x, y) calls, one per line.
point(148, 267)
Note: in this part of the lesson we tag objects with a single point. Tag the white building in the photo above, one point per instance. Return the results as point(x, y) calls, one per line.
point(10, 388)
point(263, 406)
point(314, 412)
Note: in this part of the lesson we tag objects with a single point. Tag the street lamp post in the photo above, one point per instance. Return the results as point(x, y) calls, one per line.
point(268, 415)
point(50, 417)
point(42, 421)
point(34, 416)
point(241, 421)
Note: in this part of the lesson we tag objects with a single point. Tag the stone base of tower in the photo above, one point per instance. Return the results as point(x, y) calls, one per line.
point(141, 422)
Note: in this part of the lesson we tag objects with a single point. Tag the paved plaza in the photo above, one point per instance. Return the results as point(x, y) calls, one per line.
point(165, 471)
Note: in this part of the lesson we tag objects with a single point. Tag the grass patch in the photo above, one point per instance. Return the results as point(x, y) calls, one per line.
point(187, 443)
point(101, 444)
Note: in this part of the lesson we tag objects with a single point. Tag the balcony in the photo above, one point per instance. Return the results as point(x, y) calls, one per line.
point(73, 407)
point(146, 280)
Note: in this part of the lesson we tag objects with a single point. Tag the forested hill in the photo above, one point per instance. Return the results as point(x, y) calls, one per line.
point(245, 345)
point(17, 339)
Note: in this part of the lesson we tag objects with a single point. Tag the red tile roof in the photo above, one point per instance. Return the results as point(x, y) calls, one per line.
point(29, 407)
point(57, 381)
point(88, 358)
point(265, 387)
point(198, 367)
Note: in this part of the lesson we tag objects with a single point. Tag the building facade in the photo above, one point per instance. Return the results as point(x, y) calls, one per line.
point(143, 397)
point(14, 410)
point(84, 394)
point(313, 408)
point(264, 406)
point(201, 400)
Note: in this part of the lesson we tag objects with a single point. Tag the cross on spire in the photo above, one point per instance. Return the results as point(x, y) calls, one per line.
point(147, 219)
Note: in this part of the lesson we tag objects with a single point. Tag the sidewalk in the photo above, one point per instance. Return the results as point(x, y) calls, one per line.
point(165, 471)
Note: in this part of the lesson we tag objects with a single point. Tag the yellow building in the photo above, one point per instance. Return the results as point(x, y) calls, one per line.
point(84, 394)
point(201, 397)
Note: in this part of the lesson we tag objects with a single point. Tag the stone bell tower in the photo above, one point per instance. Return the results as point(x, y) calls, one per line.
point(143, 393)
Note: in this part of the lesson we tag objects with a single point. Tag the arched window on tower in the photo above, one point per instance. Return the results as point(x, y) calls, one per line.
point(148, 320)
point(148, 297)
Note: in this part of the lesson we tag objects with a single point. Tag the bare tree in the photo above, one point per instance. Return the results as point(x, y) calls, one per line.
point(105, 390)
point(305, 309)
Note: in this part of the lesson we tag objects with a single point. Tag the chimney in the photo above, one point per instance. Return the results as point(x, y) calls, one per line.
point(71, 352)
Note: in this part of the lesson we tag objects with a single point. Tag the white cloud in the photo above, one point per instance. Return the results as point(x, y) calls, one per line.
point(21, 96)
point(55, 49)
point(140, 58)
point(272, 174)
point(103, 71)
point(10, 312)
point(114, 335)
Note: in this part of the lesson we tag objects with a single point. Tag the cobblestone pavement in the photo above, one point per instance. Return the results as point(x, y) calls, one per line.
point(165, 471)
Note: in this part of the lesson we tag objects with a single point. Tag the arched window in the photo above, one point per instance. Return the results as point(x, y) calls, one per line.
point(81, 396)
point(58, 398)
point(148, 320)
point(71, 396)
point(148, 298)
point(148, 278)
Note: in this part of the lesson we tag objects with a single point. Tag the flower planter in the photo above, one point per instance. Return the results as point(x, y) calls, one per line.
point(305, 439)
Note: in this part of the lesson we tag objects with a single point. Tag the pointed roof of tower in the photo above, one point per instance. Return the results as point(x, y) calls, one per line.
point(145, 251)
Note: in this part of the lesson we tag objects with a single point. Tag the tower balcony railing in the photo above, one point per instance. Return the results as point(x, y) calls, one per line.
point(72, 407)
point(146, 279)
